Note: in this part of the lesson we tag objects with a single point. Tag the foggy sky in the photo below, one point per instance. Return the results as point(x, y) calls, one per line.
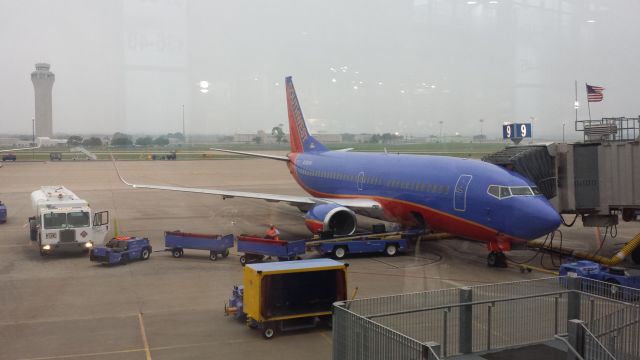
point(358, 65)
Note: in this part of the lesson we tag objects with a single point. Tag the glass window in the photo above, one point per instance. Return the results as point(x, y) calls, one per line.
point(55, 221)
point(504, 192)
point(521, 191)
point(494, 190)
point(536, 191)
point(78, 219)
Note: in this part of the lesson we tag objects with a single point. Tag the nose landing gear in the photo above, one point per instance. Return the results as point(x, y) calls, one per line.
point(497, 259)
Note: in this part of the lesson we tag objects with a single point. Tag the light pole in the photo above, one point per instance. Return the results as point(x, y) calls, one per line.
point(440, 129)
point(184, 135)
point(481, 121)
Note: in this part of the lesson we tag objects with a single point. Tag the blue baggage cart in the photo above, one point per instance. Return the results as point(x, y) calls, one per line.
point(177, 241)
point(256, 248)
point(366, 245)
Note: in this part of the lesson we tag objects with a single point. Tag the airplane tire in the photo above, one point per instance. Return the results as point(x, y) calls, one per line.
point(492, 259)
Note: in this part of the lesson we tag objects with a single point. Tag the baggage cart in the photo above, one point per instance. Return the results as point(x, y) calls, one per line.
point(177, 241)
point(282, 296)
point(256, 248)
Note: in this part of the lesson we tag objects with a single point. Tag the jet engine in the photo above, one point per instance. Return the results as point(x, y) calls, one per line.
point(329, 217)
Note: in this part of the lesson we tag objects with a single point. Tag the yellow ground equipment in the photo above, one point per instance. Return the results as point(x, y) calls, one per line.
point(289, 295)
point(631, 248)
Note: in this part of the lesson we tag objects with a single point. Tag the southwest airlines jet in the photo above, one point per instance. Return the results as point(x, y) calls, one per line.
point(467, 198)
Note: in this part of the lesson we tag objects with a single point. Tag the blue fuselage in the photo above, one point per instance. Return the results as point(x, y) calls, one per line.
point(442, 193)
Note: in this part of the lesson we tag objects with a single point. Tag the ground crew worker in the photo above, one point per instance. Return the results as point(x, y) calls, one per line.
point(272, 233)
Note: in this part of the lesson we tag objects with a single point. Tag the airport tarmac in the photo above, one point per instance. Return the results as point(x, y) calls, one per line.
point(64, 307)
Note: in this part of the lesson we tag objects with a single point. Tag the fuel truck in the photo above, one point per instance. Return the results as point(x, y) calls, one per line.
point(64, 221)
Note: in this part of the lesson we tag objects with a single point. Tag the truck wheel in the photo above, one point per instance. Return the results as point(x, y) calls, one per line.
point(339, 252)
point(213, 256)
point(225, 253)
point(177, 253)
point(124, 259)
point(243, 260)
point(391, 250)
point(145, 254)
point(268, 332)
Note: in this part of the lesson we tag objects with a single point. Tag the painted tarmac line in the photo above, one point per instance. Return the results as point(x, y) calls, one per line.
point(384, 262)
point(144, 337)
point(70, 356)
point(326, 337)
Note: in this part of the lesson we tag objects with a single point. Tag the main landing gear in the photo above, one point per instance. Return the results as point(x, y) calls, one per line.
point(497, 259)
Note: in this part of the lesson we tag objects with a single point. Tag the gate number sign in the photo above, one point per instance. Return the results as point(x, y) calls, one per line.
point(516, 131)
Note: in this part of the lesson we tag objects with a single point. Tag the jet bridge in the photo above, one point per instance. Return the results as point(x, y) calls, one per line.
point(597, 179)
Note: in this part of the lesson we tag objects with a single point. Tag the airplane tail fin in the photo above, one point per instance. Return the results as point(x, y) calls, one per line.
point(299, 137)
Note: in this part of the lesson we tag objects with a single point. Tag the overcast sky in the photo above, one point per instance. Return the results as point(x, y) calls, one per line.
point(358, 65)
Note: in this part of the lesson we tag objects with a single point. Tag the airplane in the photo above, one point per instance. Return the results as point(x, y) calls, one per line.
point(39, 143)
point(467, 198)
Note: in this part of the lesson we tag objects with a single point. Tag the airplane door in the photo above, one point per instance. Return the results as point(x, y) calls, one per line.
point(460, 193)
point(360, 180)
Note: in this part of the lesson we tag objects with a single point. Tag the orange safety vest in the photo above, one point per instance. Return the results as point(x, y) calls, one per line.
point(272, 233)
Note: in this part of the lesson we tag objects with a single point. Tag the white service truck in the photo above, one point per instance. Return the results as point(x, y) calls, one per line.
point(62, 220)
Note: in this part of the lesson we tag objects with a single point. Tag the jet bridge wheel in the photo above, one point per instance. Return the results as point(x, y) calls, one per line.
point(496, 259)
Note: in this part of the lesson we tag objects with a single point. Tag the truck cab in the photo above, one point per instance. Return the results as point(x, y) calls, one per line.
point(63, 221)
point(120, 250)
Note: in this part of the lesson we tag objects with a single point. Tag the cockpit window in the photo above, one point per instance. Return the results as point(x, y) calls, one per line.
point(494, 190)
point(521, 191)
point(502, 192)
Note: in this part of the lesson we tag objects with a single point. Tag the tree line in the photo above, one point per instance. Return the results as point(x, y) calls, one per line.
point(122, 139)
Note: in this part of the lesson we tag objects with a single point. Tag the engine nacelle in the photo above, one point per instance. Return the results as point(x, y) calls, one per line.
point(328, 217)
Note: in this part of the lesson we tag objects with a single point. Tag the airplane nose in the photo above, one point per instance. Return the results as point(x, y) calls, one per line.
point(536, 218)
point(543, 219)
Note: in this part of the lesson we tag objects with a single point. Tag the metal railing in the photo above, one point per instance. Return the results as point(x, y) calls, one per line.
point(486, 317)
point(609, 129)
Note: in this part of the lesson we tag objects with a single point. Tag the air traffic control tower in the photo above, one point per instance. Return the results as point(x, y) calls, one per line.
point(43, 80)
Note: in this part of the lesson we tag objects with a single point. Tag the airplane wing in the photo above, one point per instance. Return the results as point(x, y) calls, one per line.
point(304, 203)
point(272, 157)
point(19, 149)
point(40, 141)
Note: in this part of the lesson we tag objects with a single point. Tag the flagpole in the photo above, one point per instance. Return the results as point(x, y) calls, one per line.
point(588, 104)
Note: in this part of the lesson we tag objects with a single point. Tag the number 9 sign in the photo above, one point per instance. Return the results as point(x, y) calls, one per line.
point(516, 131)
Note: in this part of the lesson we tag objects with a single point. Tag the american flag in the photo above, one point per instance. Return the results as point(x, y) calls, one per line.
point(594, 93)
